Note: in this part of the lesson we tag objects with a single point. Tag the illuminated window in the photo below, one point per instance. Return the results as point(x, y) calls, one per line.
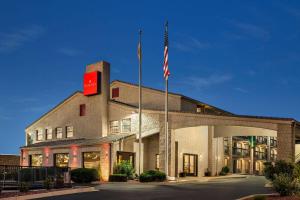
point(61, 159)
point(115, 93)
point(157, 161)
point(39, 135)
point(82, 110)
point(126, 125)
point(91, 160)
point(59, 132)
point(48, 133)
point(114, 127)
point(125, 156)
point(36, 160)
point(29, 138)
point(69, 130)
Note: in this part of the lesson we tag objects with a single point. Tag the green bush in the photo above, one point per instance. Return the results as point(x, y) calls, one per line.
point(207, 172)
point(285, 185)
point(118, 178)
point(280, 166)
point(124, 167)
point(84, 175)
point(48, 183)
point(225, 169)
point(152, 175)
point(24, 187)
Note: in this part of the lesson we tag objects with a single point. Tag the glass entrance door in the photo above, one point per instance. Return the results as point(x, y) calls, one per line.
point(190, 164)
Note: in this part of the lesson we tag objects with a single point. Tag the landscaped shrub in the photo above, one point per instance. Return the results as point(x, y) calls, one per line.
point(285, 185)
point(118, 178)
point(84, 175)
point(24, 187)
point(280, 166)
point(182, 174)
point(124, 167)
point(207, 172)
point(152, 175)
point(224, 171)
point(48, 183)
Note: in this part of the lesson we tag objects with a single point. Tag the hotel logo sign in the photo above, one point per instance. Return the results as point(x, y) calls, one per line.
point(92, 83)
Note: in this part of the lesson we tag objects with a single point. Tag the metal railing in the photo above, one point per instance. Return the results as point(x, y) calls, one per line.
point(260, 155)
point(236, 151)
point(12, 176)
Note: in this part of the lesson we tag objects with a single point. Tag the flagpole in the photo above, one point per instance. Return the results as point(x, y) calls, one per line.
point(166, 130)
point(166, 115)
point(140, 99)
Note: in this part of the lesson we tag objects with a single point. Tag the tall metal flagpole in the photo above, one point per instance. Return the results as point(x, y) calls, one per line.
point(140, 98)
point(166, 118)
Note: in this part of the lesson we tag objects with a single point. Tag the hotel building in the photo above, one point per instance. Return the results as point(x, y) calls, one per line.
point(98, 127)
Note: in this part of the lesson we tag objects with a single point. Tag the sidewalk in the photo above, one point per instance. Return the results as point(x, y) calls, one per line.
point(210, 178)
point(52, 193)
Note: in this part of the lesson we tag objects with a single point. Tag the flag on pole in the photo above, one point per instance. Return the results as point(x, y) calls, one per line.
point(166, 54)
point(139, 53)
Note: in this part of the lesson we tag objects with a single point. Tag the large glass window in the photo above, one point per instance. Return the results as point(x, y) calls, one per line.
point(61, 160)
point(126, 125)
point(39, 135)
point(114, 127)
point(70, 132)
point(36, 160)
point(59, 133)
point(48, 132)
point(91, 160)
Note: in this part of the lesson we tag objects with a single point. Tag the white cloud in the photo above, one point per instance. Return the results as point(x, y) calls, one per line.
point(241, 90)
point(248, 30)
point(13, 40)
point(69, 51)
point(190, 44)
point(205, 82)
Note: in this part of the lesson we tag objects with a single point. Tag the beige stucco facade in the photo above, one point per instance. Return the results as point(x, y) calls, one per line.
point(109, 126)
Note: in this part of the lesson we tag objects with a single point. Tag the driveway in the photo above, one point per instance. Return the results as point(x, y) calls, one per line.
point(229, 188)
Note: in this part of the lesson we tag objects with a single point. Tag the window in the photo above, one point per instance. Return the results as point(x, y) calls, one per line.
point(200, 108)
point(114, 127)
point(69, 130)
point(115, 93)
point(126, 125)
point(82, 110)
point(29, 138)
point(126, 156)
point(58, 133)
point(61, 160)
point(91, 160)
point(48, 132)
point(36, 160)
point(157, 161)
point(39, 135)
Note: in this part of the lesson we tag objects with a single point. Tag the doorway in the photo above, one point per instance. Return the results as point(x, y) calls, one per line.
point(190, 164)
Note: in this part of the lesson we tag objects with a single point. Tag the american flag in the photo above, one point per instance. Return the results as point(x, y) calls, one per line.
point(166, 54)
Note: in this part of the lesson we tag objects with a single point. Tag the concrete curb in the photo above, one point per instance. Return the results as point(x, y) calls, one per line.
point(54, 193)
point(253, 195)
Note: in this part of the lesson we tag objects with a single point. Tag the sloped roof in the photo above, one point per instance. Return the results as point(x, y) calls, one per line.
point(80, 141)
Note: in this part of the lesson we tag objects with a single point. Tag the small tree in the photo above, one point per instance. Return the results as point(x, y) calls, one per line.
point(124, 167)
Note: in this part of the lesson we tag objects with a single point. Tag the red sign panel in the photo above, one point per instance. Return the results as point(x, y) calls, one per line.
point(91, 83)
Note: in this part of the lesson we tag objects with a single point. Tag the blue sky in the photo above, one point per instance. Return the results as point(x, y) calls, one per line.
point(242, 56)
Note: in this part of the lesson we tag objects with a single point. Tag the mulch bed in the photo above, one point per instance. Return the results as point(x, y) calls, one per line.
point(17, 193)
